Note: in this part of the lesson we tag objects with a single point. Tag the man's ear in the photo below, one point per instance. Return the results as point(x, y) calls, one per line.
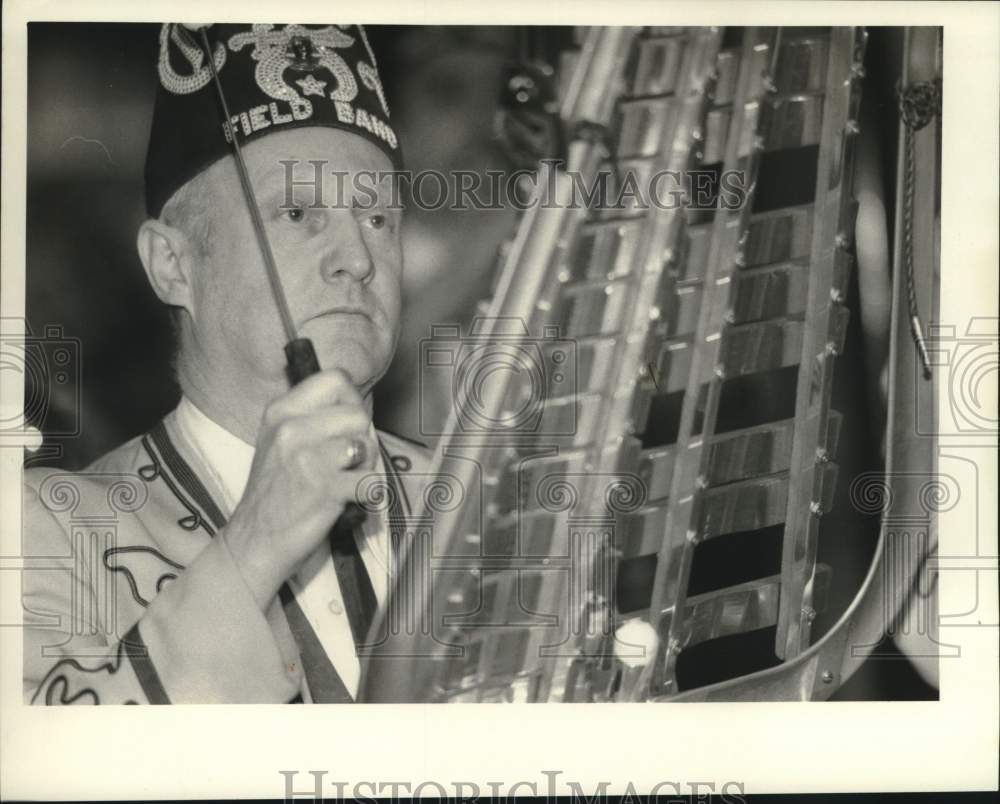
point(166, 255)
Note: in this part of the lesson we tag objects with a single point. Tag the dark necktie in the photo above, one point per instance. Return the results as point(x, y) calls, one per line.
point(356, 589)
point(355, 586)
point(325, 684)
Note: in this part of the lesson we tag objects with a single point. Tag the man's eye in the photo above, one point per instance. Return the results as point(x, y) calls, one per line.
point(377, 221)
point(295, 214)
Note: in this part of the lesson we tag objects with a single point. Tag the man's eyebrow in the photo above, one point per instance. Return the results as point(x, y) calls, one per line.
point(289, 184)
point(280, 168)
point(366, 203)
point(295, 180)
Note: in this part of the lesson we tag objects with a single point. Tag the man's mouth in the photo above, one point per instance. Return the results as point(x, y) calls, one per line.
point(335, 312)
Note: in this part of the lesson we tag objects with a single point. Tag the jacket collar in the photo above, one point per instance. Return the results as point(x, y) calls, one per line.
point(174, 458)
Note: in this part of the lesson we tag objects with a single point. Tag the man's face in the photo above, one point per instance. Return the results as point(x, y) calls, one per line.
point(340, 265)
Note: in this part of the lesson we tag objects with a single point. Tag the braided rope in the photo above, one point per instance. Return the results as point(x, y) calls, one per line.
point(918, 104)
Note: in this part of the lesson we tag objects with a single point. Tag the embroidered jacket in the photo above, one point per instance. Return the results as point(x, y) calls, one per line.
point(129, 598)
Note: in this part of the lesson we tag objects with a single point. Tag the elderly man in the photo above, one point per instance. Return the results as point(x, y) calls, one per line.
point(215, 575)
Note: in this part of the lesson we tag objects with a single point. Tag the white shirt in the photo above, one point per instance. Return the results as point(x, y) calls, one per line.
point(315, 584)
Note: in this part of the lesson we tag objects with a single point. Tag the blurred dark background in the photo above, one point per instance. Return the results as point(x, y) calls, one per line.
point(90, 90)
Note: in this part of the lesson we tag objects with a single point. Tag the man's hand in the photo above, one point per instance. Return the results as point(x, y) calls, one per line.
point(299, 483)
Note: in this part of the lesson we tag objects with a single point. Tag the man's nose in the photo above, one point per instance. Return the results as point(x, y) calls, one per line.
point(348, 255)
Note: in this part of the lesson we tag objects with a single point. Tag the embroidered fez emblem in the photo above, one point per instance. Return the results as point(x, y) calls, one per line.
point(197, 74)
point(300, 50)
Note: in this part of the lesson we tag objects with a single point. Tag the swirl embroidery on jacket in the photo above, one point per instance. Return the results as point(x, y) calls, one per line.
point(56, 684)
point(143, 597)
point(193, 520)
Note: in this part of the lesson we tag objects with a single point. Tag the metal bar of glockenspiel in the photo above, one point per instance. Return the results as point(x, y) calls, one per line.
point(812, 403)
point(687, 488)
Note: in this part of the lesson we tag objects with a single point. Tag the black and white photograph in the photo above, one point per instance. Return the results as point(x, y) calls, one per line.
point(418, 361)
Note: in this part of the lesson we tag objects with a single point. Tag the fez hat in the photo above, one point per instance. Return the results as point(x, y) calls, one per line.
point(274, 77)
